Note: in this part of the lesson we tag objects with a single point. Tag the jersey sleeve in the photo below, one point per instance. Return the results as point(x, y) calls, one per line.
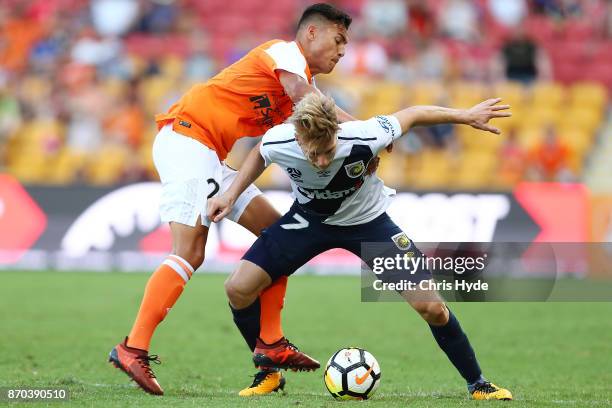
point(265, 149)
point(379, 131)
point(287, 56)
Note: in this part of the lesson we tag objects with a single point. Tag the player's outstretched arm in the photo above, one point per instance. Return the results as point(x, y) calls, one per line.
point(477, 116)
point(296, 87)
point(218, 207)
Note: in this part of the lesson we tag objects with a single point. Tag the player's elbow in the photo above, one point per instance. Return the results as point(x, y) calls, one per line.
point(407, 118)
point(297, 90)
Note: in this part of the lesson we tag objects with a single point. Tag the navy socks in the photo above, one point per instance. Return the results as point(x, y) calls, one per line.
point(453, 341)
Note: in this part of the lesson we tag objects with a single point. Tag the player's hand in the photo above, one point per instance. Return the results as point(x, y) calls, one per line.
point(372, 166)
point(479, 115)
point(218, 207)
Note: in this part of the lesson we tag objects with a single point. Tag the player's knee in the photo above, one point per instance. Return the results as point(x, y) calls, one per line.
point(193, 254)
point(237, 295)
point(434, 313)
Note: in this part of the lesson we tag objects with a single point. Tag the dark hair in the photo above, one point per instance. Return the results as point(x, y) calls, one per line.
point(328, 12)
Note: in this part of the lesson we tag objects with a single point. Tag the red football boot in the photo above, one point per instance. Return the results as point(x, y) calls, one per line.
point(282, 354)
point(135, 363)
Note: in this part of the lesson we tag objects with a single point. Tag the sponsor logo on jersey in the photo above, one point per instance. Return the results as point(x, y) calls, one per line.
point(385, 124)
point(323, 173)
point(269, 113)
point(326, 194)
point(401, 241)
point(356, 169)
point(294, 173)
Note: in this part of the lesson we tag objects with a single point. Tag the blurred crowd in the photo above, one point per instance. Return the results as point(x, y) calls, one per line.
point(81, 80)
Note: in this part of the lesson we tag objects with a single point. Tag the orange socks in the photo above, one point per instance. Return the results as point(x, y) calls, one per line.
point(272, 300)
point(166, 285)
point(163, 289)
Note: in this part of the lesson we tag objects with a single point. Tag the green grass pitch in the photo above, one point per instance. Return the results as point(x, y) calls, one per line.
point(56, 329)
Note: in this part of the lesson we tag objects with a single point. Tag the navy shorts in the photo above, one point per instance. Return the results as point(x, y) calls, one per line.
point(298, 236)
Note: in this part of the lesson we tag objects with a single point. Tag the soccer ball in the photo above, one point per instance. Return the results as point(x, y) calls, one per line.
point(352, 374)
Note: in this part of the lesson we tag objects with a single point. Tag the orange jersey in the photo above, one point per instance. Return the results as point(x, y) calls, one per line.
point(245, 99)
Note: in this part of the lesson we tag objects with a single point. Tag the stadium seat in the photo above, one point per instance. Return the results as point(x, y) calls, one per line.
point(425, 93)
point(434, 171)
point(394, 169)
point(590, 95)
point(108, 166)
point(567, 72)
point(467, 94)
point(383, 98)
point(475, 170)
point(172, 67)
point(577, 140)
point(152, 92)
point(547, 95)
point(542, 116)
point(588, 119)
point(578, 30)
point(30, 167)
point(66, 167)
point(528, 137)
point(540, 28)
point(479, 141)
point(512, 93)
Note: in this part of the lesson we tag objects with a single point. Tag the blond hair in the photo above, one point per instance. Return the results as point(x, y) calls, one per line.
point(315, 120)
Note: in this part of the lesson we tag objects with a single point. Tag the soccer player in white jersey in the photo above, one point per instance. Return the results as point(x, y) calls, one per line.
point(339, 205)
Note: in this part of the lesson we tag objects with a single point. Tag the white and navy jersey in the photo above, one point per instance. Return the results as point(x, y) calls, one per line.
point(342, 193)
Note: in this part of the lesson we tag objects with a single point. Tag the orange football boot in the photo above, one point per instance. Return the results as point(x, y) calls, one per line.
point(282, 354)
point(135, 363)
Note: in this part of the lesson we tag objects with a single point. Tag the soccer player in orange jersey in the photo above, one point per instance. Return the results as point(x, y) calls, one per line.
point(195, 136)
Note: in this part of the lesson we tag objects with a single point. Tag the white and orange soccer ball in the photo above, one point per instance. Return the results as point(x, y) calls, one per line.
point(352, 373)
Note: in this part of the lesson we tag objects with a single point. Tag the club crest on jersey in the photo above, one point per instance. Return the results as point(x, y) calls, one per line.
point(356, 169)
point(401, 241)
